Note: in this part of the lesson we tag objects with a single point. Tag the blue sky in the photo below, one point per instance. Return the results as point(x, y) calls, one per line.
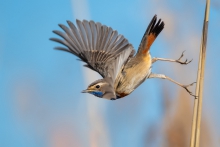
point(40, 99)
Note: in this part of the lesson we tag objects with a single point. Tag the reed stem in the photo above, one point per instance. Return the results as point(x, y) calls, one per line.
point(197, 112)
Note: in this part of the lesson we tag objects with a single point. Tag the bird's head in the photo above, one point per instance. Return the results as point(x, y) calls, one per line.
point(101, 88)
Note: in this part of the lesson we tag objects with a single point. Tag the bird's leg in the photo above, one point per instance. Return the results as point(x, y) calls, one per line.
point(172, 60)
point(162, 76)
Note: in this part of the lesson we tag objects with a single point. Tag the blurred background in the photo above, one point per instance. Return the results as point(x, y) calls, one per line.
point(41, 104)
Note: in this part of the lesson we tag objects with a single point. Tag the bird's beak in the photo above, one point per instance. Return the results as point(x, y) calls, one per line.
point(85, 91)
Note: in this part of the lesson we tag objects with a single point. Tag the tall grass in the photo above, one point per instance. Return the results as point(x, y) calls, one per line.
point(197, 112)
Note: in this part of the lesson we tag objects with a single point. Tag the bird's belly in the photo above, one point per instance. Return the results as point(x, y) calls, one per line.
point(133, 78)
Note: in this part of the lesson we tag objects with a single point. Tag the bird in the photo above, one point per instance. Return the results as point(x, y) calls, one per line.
point(110, 54)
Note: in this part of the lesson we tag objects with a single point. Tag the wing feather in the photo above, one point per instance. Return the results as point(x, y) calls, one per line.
point(76, 34)
point(82, 35)
point(101, 47)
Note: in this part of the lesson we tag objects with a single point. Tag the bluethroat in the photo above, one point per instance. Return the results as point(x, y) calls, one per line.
point(113, 57)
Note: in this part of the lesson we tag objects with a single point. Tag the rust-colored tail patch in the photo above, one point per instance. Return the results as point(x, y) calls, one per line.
point(149, 40)
point(153, 30)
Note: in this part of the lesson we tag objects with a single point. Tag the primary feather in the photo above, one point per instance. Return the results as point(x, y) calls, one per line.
point(110, 54)
point(101, 47)
point(96, 44)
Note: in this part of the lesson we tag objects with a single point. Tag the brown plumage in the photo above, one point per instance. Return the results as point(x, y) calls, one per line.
point(112, 56)
point(138, 68)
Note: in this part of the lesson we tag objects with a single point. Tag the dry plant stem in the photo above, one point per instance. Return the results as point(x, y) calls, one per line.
point(162, 76)
point(172, 60)
point(195, 136)
point(193, 131)
point(205, 32)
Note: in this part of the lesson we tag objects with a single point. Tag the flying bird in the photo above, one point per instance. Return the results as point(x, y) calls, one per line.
point(113, 57)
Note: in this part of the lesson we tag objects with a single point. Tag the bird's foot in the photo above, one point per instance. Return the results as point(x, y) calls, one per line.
point(183, 62)
point(186, 88)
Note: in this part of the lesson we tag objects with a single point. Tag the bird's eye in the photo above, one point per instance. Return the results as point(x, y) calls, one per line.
point(97, 86)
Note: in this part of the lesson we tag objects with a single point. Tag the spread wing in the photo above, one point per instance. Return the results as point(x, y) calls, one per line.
point(101, 47)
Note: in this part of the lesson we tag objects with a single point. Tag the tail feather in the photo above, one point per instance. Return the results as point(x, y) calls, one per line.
point(153, 30)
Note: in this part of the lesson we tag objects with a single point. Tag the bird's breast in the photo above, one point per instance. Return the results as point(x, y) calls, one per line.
point(133, 75)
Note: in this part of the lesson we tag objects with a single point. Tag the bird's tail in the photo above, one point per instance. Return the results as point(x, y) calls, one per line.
point(153, 30)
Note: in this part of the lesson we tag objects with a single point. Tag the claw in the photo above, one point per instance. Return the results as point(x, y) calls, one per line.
point(189, 61)
point(186, 88)
point(181, 55)
point(178, 60)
